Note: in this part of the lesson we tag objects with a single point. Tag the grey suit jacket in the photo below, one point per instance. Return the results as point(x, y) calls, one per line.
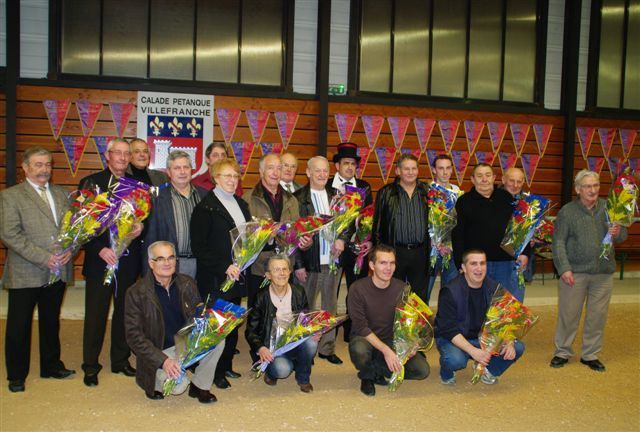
point(28, 229)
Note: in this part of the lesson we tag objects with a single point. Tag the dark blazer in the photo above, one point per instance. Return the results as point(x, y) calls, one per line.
point(157, 177)
point(211, 245)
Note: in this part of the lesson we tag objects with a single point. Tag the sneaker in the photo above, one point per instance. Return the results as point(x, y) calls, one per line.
point(488, 378)
point(451, 381)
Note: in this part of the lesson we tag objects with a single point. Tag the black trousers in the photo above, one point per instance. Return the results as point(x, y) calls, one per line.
point(231, 342)
point(370, 362)
point(348, 260)
point(22, 303)
point(412, 266)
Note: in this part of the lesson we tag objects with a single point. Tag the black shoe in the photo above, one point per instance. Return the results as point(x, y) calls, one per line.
point(270, 381)
point(232, 374)
point(156, 395)
point(126, 370)
point(331, 358)
point(16, 386)
point(222, 383)
point(367, 387)
point(204, 396)
point(58, 374)
point(596, 365)
point(90, 380)
point(381, 381)
point(558, 362)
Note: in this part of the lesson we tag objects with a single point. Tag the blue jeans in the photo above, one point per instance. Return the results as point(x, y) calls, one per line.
point(298, 359)
point(453, 358)
point(446, 275)
point(505, 273)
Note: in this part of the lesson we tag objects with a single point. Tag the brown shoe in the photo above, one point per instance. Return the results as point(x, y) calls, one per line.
point(204, 396)
point(270, 381)
point(306, 388)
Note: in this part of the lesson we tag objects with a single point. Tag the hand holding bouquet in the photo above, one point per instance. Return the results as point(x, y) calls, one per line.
point(344, 209)
point(289, 236)
point(442, 220)
point(363, 234)
point(621, 206)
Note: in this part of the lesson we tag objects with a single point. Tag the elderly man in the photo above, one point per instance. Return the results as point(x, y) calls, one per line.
point(513, 181)
point(314, 198)
point(584, 275)
point(30, 213)
point(215, 152)
point(400, 220)
point(139, 165)
point(98, 254)
point(372, 304)
point(172, 209)
point(462, 307)
point(289, 170)
point(157, 307)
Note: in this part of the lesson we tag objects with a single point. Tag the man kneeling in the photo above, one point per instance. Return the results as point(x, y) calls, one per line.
point(280, 300)
point(156, 307)
point(372, 303)
point(462, 307)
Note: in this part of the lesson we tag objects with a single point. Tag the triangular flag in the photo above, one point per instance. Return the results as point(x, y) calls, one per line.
point(268, 148)
point(529, 166)
point(73, 147)
point(485, 157)
point(449, 131)
point(507, 160)
point(634, 165)
point(88, 113)
point(345, 124)
point(57, 111)
point(627, 137)
point(585, 137)
point(257, 122)
point(101, 145)
point(372, 127)
point(473, 130)
point(424, 127)
point(519, 134)
point(616, 166)
point(416, 152)
point(398, 126)
point(120, 113)
point(385, 157)
point(363, 152)
point(496, 133)
point(243, 150)
point(286, 124)
point(595, 163)
point(431, 157)
point(460, 163)
point(542, 133)
point(228, 120)
point(606, 139)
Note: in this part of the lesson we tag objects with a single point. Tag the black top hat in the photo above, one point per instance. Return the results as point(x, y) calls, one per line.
point(347, 150)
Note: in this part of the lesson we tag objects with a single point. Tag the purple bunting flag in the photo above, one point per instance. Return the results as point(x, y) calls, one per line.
point(424, 127)
point(398, 126)
point(529, 166)
point(345, 123)
point(101, 146)
point(88, 113)
point(363, 152)
point(542, 133)
point(448, 131)
point(242, 150)
point(228, 120)
point(473, 130)
point(57, 111)
point(507, 160)
point(606, 139)
point(120, 113)
point(634, 165)
point(627, 137)
point(485, 157)
point(585, 137)
point(372, 127)
point(496, 133)
point(616, 166)
point(519, 134)
point(268, 148)
point(595, 163)
point(73, 147)
point(461, 160)
point(385, 157)
point(286, 124)
point(257, 122)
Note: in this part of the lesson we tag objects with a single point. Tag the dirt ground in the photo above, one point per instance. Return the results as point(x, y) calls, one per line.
point(530, 396)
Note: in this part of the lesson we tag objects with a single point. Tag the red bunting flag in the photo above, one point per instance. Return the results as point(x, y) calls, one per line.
point(542, 133)
point(416, 152)
point(585, 137)
point(286, 124)
point(595, 163)
point(529, 166)
point(57, 111)
point(385, 157)
point(485, 157)
point(101, 145)
point(460, 163)
point(242, 150)
point(627, 137)
point(268, 148)
point(228, 120)
point(398, 126)
point(257, 122)
point(473, 130)
point(345, 123)
point(431, 157)
point(496, 133)
point(519, 134)
point(507, 160)
point(363, 152)
point(88, 113)
point(120, 113)
point(372, 127)
point(606, 139)
point(424, 127)
point(448, 131)
point(73, 147)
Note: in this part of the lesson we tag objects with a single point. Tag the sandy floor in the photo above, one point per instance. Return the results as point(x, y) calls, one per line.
point(531, 396)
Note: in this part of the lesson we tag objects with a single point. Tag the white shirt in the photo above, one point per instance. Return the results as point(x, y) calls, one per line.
point(52, 203)
point(320, 201)
point(288, 186)
point(339, 182)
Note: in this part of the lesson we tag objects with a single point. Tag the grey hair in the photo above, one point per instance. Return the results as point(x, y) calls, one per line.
point(277, 257)
point(178, 154)
point(263, 158)
point(35, 151)
point(585, 173)
point(113, 142)
point(154, 245)
point(316, 158)
point(135, 140)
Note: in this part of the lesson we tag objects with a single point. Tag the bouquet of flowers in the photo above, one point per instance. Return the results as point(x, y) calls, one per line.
point(507, 320)
point(247, 241)
point(364, 225)
point(290, 331)
point(289, 236)
point(621, 206)
point(412, 331)
point(199, 337)
point(543, 236)
point(442, 220)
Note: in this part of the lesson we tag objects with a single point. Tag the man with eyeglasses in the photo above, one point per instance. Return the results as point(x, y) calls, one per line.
point(289, 170)
point(98, 254)
point(139, 165)
point(157, 307)
point(216, 151)
point(171, 216)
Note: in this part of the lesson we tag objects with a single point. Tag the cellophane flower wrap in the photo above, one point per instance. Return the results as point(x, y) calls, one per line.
point(248, 240)
point(289, 331)
point(412, 331)
point(442, 219)
point(288, 238)
point(89, 215)
point(621, 207)
point(133, 201)
point(543, 237)
point(363, 234)
point(206, 330)
point(345, 208)
point(507, 320)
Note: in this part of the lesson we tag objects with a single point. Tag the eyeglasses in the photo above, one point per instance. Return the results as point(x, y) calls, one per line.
point(120, 153)
point(229, 176)
point(163, 260)
point(145, 151)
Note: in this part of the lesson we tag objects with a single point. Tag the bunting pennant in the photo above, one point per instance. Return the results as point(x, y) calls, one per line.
point(496, 133)
point(257, 122)
point(449, 131)
point(585, 137)
point(120, 113)
point(529, 166)
point(460, 163)
point(286, 124)
point(268, 148)
point(416, 152)
point(363, 152)
point(519, 134)
point(385, 157)
point(431, 157)
point(606, 139)
point(485, 157)
point(634, 165)
point(345, 124)
point(101, 145)
point(73, 147)
point(507, 160)
point(242, 150)
point(627, 137)
point(595, 163)
point(398, 126)
point(88, 113)
point(372, 127)
point(228, 120)
point(542, 133)
point(57, 111)
point(473, 130)
point(424, 127)
point(616, 166)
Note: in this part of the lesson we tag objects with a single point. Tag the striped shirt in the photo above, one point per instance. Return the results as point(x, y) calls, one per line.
point(411, 221)
point(320, 201)
point(182, 209)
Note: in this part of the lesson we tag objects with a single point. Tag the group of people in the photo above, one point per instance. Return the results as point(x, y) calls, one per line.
point(181, 255)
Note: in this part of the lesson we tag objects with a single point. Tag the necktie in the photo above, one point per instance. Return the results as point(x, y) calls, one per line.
point(45, 198)
point(289, 187)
